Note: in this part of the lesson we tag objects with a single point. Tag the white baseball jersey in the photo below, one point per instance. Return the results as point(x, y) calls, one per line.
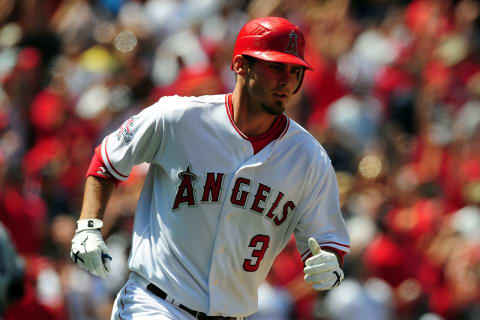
point(213, 215)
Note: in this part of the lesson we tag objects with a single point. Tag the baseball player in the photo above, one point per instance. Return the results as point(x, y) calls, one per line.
point(231, 178)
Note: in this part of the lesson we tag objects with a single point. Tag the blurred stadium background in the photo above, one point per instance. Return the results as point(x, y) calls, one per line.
point(394, 99)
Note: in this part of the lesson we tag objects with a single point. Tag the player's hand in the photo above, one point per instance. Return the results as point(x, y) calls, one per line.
point(88, 248)
point(322, 270)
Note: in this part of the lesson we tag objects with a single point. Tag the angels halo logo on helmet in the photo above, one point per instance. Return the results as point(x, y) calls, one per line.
point(292, 44)
point(272, 39)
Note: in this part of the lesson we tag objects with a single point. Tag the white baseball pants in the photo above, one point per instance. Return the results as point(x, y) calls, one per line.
point(135, 302)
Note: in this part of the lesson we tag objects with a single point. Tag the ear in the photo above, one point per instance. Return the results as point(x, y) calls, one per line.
point(239, 65)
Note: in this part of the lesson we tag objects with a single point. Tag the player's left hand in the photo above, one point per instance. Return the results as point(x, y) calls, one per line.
point(322, 270)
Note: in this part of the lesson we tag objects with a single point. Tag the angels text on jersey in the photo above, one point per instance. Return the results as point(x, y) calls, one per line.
point(246, 194)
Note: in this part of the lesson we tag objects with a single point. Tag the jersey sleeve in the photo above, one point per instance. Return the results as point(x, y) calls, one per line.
point(322, 218)
point(137, 140)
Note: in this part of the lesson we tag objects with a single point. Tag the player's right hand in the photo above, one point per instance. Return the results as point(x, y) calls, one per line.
point(88, 248)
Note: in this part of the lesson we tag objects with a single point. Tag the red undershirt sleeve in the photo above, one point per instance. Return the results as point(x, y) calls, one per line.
point(98, 169)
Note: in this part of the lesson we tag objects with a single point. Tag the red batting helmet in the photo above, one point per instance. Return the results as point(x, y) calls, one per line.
point(272, 39)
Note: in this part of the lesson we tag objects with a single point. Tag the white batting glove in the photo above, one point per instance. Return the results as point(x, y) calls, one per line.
point(89, 251)
point(322, 270)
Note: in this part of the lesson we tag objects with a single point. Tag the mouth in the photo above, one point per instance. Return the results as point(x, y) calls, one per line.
point(281, 96)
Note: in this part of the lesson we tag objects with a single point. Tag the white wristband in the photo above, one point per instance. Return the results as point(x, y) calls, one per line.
point(89, 224)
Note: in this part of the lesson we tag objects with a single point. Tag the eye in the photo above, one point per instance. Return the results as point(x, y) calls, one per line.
point(296, 71)
point(274, 66)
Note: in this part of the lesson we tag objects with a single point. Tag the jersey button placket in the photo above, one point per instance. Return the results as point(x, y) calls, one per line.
point(221, 248)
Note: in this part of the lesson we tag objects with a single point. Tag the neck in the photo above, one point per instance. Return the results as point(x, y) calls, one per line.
point(248, 116)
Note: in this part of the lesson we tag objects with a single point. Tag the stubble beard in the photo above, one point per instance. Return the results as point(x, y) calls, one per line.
point(271, 107)
point(274, 108)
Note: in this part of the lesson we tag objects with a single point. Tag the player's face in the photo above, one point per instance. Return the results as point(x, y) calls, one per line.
point(271, 84)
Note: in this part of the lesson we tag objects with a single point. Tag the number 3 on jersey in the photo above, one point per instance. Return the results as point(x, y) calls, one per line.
point(251, 265)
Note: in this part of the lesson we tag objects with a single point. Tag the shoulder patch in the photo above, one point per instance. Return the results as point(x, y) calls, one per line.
point(126, 130)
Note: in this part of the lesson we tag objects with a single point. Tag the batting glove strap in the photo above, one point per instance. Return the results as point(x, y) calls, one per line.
point(89, 224)
point(90, 252)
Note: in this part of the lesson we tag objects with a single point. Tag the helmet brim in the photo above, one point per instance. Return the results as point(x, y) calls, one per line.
point(275, 56)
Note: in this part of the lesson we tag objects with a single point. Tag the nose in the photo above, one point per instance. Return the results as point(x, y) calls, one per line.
point(284, 78)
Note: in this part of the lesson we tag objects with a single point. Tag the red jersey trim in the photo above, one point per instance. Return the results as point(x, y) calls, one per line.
point(336, 243)
point(276, 131)
point(340, 253)
point(324, 244)
point(286, 128)
point(110, 163)
point(97, 167)
point(229, 107)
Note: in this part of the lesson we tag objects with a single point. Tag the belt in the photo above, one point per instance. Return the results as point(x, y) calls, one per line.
point(197, 314)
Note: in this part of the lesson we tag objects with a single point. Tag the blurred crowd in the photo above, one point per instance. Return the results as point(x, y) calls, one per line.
point(394, 99)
